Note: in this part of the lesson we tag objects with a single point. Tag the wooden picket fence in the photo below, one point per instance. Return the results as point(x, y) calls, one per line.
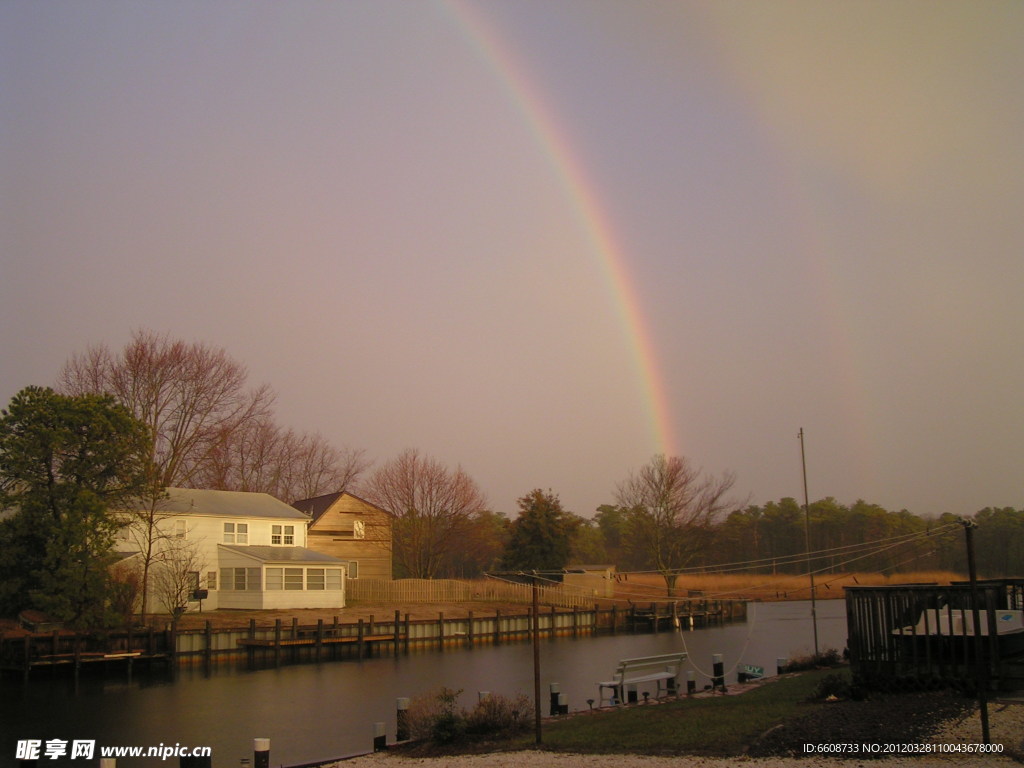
point(454, 590)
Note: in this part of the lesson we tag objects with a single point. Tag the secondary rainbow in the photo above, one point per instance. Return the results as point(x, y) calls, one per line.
point(571, 172)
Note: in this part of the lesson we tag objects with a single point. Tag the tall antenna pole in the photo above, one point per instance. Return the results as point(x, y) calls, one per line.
point(807, 542)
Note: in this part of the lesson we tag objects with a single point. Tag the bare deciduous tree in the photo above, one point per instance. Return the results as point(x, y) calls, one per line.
point(670, 507)
point(432, 508)
point(262, 457)
point(188, 395)
point(176, 575)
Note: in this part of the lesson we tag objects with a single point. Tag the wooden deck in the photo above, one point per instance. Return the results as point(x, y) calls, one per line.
point(914, 635)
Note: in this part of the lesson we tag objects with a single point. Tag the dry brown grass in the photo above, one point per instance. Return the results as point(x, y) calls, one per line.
point(765, 586)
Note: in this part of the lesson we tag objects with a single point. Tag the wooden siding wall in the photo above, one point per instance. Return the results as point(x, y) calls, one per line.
point(373, 552)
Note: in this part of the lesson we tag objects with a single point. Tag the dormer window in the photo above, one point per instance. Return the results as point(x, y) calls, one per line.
point(236, 533)
point(282, 534)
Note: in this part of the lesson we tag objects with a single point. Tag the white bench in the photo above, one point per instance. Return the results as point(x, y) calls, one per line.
point(662, 670)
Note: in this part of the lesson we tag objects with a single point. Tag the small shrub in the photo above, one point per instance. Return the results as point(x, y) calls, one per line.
point(433, 716)
point(833, 686)
point(436, 718)
point(500, 716)
point(830, 657)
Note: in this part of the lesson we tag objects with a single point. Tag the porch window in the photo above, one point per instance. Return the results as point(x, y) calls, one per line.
point(293, 578)
point(315, 578)
point(334, 578)
point(282, 534)
point(240, 579)
point(275, 578)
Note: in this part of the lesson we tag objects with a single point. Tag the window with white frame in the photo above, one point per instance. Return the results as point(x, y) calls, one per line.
point(352, 567)
point(315, 578)
point(211, 580)
point(293, 578)
point(240, 579)
point(236, 533)
point(275, 578)
point(334, 578)
point(282, 534)
point(180, 530)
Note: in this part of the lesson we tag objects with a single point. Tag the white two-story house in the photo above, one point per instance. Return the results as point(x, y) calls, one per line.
point(245, 550)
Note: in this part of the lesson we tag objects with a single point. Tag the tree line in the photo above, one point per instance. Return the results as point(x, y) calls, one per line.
point(121, 427)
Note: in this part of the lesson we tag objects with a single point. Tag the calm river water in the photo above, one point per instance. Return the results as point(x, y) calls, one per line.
point(312, 712)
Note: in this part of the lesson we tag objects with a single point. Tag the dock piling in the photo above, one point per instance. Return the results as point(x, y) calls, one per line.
point(402, 719)
point(718, 669)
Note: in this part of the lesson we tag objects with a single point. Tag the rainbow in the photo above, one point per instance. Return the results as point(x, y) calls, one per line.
point(541, 118)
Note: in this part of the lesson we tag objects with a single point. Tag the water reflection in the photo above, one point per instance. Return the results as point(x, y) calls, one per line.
point(317, 711)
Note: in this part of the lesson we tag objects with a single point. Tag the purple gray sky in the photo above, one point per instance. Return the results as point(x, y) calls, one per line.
point(545, 241)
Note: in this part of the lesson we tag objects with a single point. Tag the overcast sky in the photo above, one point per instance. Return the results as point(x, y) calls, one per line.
point(546, 240)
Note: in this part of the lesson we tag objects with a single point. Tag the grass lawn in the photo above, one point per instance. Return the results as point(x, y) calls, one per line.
point(719, 725)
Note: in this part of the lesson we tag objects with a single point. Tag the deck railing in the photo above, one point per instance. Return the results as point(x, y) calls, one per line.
point(923, 634)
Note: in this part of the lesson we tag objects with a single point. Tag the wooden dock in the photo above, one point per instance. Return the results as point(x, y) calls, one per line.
point(291, 643)
point(59, 649)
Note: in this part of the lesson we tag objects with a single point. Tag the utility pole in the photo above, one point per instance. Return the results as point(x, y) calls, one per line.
point(982, 664)
point(536, 661)
point(807, 543)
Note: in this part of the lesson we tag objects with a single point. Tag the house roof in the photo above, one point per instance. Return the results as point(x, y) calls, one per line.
point(268, 554)
point(227, 504)
point(316, 506)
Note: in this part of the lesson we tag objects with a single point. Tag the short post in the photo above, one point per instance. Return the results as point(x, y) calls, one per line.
point(398, 630)
point(469, 629)
point(261, 753)
point(360, 640)
point(780, 666)
point(380, 739)
point(553, 698)
point(402, 719)
point(563, 704)
point(691, 683)
point(440, 630)
point(718, 668)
